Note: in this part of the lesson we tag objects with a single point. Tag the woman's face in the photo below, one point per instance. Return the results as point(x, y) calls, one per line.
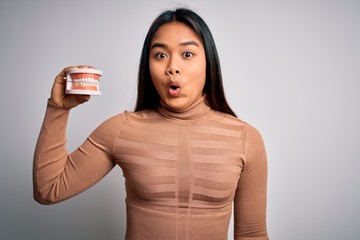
point(177, 65)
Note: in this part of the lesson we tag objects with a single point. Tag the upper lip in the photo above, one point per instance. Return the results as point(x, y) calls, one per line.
point(173, 84)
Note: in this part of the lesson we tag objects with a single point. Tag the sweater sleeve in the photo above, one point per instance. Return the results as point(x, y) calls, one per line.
point(251, 193)
point(58, 175)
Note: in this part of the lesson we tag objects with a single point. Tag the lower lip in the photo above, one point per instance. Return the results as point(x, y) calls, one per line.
point(174, 92)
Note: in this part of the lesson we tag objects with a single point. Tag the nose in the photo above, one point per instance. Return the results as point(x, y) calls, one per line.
point(172, 69)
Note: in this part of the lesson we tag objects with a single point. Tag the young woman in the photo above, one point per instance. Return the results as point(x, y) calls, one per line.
point(185, 156)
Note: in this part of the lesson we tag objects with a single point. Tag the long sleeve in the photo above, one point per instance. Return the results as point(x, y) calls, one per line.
point(251, 193)
point(58, 175)
point(181, 171)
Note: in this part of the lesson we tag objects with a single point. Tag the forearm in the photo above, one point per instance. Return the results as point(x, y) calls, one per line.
point(250, 238)
point(50, 154)
point(58, 175)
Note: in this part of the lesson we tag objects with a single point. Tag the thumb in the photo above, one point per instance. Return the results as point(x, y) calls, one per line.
point(73, 100)
point(83, 98)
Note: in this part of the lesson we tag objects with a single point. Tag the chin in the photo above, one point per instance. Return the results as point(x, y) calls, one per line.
point(177, 104)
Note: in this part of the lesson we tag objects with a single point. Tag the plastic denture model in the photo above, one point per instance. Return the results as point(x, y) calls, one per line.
point(83, 80)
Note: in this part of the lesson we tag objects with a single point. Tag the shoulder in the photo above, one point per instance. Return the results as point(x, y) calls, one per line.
point(232, 120)
point(112, 127)
point(115, 120)
point(250, 133)
point(253, 145)
point(129, 115)
point(142, 115)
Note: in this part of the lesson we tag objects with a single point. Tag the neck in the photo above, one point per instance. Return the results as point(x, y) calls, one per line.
point(196, 110)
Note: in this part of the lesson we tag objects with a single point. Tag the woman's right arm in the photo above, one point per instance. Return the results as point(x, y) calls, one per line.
point(58, 175)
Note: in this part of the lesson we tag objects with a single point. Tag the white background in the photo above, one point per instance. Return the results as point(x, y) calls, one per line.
point(290, 68)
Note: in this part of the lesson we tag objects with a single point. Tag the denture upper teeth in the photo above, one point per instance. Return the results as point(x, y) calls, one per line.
point(85, 82)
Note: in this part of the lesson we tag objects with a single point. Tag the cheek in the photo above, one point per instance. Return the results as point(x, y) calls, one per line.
point(156, 68)
point(151, 69)
point(155, 76)
point(198, 72)
point(153, 72)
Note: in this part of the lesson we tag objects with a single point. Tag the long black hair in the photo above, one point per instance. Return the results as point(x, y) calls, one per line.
point(148, 97)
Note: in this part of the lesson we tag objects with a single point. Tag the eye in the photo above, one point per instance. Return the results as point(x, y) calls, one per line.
point(160, 55)
point(188, 54)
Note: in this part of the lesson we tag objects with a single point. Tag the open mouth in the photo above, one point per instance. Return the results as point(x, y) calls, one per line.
point(174, 89)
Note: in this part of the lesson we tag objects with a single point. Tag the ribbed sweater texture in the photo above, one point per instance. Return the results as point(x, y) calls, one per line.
point(185, 172)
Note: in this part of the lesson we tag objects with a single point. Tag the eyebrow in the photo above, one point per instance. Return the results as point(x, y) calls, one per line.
point(163, 45)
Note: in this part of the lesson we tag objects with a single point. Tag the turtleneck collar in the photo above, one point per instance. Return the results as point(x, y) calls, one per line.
point(195, 111)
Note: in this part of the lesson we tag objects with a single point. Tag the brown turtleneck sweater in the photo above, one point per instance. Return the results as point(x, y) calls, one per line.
point(183, 171)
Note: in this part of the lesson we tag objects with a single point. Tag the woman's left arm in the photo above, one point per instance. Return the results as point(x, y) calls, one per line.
point(251, 193)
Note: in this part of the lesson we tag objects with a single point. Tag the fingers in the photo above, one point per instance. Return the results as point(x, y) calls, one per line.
point(58, 95)
point(62, 74)
point(83, 98)
point(60, 78)
point(84, 66)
